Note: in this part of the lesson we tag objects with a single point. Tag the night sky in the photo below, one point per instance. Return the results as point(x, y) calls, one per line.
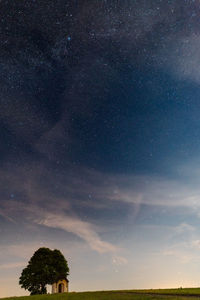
point(100, 140)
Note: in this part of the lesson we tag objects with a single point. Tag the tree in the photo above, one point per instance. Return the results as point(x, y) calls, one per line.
point(46, 266)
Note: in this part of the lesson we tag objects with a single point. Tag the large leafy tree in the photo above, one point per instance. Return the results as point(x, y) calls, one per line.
point(46, 266)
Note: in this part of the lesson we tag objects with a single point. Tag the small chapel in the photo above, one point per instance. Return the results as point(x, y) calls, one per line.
point(62, 286)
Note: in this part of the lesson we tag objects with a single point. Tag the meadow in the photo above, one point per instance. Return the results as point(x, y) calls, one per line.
point(160, 294)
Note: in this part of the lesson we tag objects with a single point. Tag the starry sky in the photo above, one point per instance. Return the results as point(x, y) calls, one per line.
point(100, 140)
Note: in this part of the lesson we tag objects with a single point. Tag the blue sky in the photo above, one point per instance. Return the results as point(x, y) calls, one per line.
point(100, 141)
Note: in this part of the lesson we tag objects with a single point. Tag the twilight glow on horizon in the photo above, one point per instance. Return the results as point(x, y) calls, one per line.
point(100, 141)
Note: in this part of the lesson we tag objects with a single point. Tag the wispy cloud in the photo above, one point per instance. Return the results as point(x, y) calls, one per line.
point(60, 191)
point(119, 260)
point(180, 56)
point(80, 228)
point(187, 58)
point(37, 202)
point(4, 215)
point(183, 243)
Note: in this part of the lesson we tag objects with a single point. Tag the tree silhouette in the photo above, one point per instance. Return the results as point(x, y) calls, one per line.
point(46, 266)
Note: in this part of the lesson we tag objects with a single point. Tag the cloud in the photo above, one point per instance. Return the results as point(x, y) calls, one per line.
point(125, 22)
point(183, 243)
point(183, 256)
point(45, 196)
point(119, 260)
point(39, 205)
point(183, 228)
point(187, 58)
point(196, 244)
point(4, 215)
point(186, 251)
point(137, 190)
point(179, 55)
point(43, 189)
point(80, 228)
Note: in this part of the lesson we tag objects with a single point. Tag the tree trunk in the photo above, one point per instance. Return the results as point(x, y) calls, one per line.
point(43, 289)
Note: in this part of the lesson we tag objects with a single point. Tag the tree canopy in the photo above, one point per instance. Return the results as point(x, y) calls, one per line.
point(46, 266)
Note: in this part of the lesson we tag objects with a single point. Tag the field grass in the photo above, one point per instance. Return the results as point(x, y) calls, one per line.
point(160, 294)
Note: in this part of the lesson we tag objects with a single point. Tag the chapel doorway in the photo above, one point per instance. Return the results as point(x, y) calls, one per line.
point(61, 288)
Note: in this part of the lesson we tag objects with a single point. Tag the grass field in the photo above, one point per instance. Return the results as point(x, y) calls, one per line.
point(161, 294)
